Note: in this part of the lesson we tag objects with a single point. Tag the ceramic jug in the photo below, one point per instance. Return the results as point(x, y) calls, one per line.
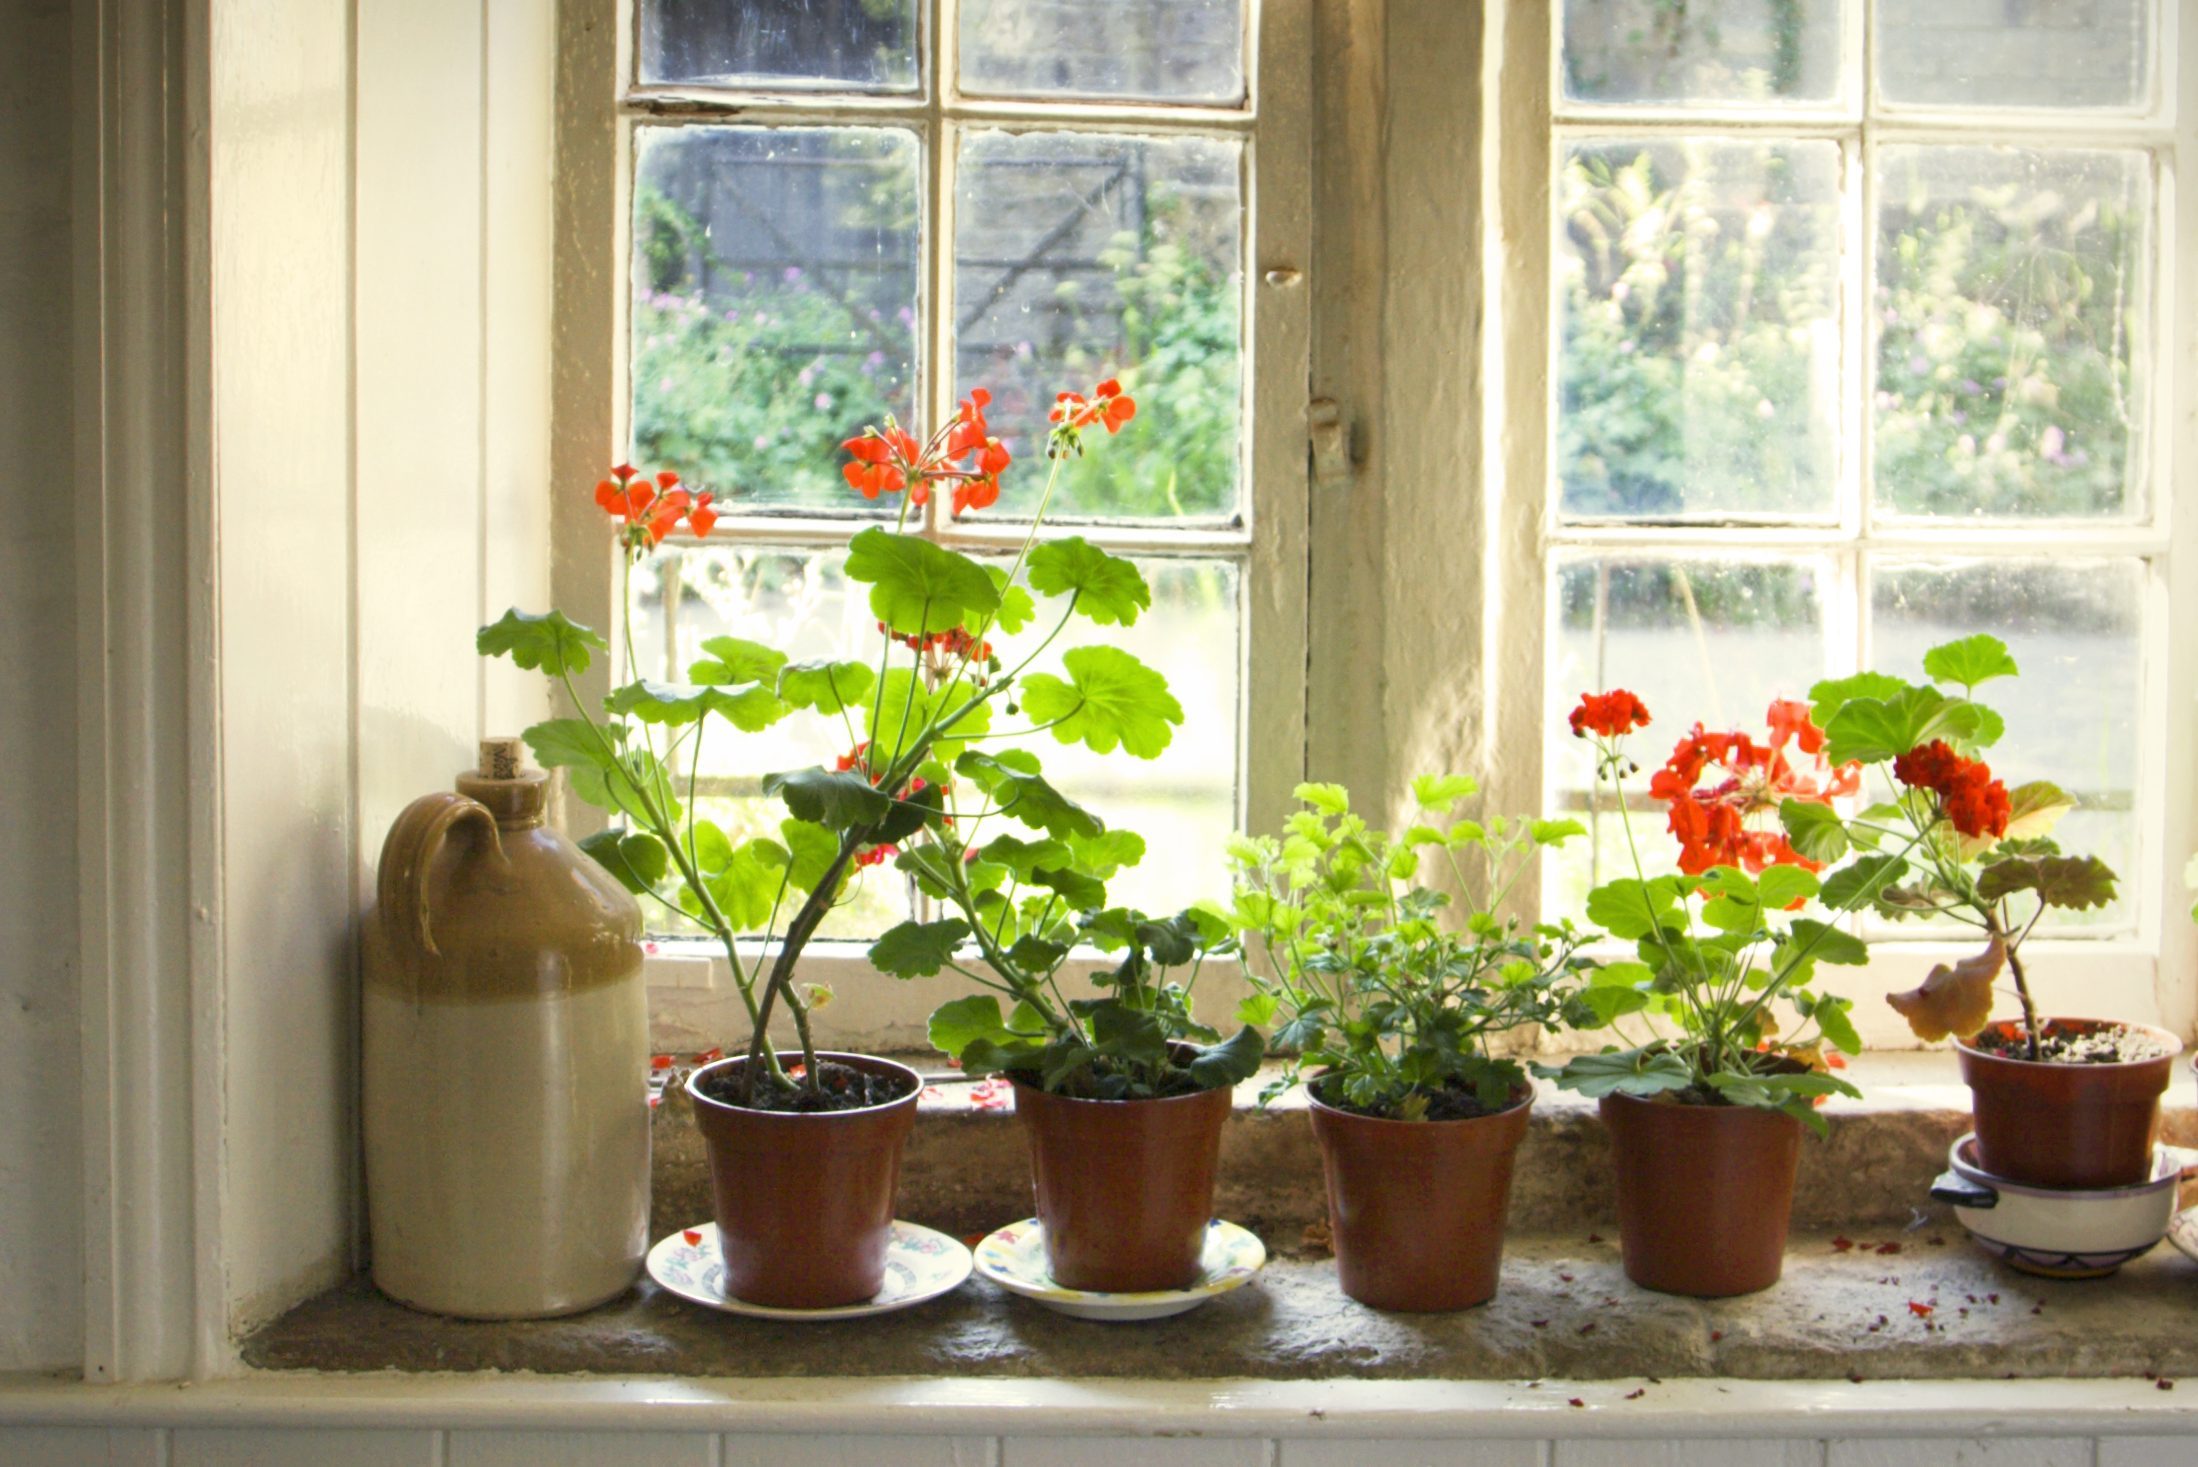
point(506, 1059)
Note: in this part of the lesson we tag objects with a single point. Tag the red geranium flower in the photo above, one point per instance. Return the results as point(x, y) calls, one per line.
point(1968, 795)
point(648, 509)
point(1733, 821)
point(1611, 715)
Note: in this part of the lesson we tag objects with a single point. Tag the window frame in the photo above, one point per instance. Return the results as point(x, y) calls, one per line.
point(600, 105)
point(2150, 972)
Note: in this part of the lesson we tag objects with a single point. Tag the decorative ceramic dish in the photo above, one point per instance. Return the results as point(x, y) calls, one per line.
point(2062, 1234)
point(920, 1264)
point(1015, 1259)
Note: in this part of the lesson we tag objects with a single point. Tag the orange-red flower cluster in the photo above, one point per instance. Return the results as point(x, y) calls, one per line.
point(1972, 799)
point(1609, 715)
point(1733, 820)
point(954, 642)
point(652, 507)
point(1108, 405)
point(888, 460)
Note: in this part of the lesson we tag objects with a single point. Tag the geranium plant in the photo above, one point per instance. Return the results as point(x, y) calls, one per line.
point(1389, 991)
point(1949, 840)
point(1720, 956)
point(908, 729)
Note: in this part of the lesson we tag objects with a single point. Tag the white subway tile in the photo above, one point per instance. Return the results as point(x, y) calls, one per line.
point(209, 1446)
point(579, 1449)
point(1954, 1452)
point(79, 1446)
point(772, 1450)
point(1120, 1451)
point(1413, 1452)
point(1703, 1452)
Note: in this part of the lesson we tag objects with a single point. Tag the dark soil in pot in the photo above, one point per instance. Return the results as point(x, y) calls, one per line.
point(1454, 1102)
point(839, 1087)
point(1705, 1193)
point(804, 1200)
point(2086, 1118)
point(1417, 1208)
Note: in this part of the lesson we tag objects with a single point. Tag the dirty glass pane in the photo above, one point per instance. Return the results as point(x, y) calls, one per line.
point(775, 280)
point(1715, 53)
point(2015, 53)
point(777, 45)
point(2075, 714)
point(794, 600)
point(1699, 641)
point(1147, 50)
point(2011, 317)
point(1081, 256)
point(1698, 344)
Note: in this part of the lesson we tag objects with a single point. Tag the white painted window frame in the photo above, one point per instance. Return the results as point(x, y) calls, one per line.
point(2149, 972)
point(692, 1002)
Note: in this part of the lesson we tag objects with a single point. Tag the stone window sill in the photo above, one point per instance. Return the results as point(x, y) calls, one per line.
point(1880, 1284)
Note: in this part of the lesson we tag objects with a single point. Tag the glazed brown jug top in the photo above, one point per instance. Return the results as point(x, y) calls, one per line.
point(1417, 1208)
point(804, 1200)
point(1124, 1188)
point(2083, 1127)
point(1705, 1193)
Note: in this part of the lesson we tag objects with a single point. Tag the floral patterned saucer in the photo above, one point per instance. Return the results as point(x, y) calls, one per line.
point(920, 1264)
point(2182, 1231)
point(1015, 1259)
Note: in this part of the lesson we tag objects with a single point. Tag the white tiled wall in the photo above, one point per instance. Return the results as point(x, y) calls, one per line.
point(354, 1447)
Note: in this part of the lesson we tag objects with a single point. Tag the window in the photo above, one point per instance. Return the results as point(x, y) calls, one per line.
point(1857, 339)
point(835, 210)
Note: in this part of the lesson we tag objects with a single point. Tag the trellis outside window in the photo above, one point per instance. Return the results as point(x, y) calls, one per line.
point(1858, 337)
point(804, 215)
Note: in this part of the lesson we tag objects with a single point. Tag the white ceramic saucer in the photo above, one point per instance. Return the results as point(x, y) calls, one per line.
point(2182, 1231)
point(920, 1264)
point(1015, 1259)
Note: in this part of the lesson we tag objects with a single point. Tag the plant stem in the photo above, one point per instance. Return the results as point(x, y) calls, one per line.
point(1999, 933)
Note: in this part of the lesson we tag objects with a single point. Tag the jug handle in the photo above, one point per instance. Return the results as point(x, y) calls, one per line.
point(408, 855)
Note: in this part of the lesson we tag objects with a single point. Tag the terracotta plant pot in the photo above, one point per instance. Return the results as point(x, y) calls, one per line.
point(1417, 1208)
point(1704, 1193)
point(1124, 1187)
point(805, 1201)
point(2076, 1126)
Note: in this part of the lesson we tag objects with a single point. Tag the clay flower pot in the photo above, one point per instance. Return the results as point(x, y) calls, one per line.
point(2079, 1126)
point(805, 1201)
point(1417, 1208)
point(1124, 1187)
point(1704, 1193)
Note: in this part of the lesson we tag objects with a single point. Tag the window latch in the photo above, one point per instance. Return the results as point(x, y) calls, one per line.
point(1331, 440)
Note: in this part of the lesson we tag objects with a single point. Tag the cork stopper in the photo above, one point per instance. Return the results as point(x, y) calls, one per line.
point(501, 758)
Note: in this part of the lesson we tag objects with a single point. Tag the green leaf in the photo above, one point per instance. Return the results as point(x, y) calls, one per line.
point(1554, 832)
point(736, 660)
point(1830, 1012)
point(1108, 852)
point(1439, 792)
point(1328, 799)
point(571, 743)
point(1230, 1062)
point(1781, 886)
point(1022, 857)
point(750, 883)
point(919, 949)
point(1828, 944)
point(637, 859)
point(1632, 909)
point(1832, 694)
point(904, 709)
point(1814, 830)
point(1258, 1010)
point(963, 1022)
point(825, 686)
point(1034, 956)
point(547, 641)
point(1012, 779)
point(713, 852)
point(836, 799)
point(1107, 588)
point(1970, 661)
point(1622, 1072)
point(1081, 892)
point(1016, 607)
point(1874, 730)
point(2033, 809)
point(915, 586)
point(1609, 1004)
point(1858, 884)
point(1134, 1036)
point(631, 784)
point(810, 852)
point(749, 707)
point(2071, 882)
point(1111, 698)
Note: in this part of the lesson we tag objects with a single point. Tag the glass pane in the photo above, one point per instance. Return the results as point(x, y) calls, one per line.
point(865, 45)
point(797, 601)
point(2014, 53)
point(1081, 256)
point(1703, 52)
point(2012, 311)
point(1710, 642)
point(1184, 802)
point(775, 280)
point(1697, 369)
point(2073, 717)
point(1158, 50)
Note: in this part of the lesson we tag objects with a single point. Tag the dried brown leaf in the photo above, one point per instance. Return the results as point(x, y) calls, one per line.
point(1954, 999)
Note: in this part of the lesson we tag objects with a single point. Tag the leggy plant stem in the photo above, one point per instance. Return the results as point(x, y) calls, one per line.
point(2009, 943)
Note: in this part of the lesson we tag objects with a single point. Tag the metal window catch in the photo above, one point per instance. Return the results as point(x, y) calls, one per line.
point(1331, 440)
point(1959, 1191)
